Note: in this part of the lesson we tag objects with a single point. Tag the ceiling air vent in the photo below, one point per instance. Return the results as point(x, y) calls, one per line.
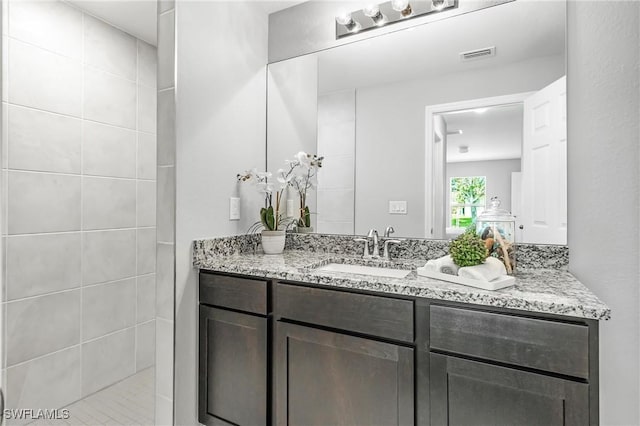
point(478, 53)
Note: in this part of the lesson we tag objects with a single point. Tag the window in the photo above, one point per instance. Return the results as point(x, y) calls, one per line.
point(467, 199)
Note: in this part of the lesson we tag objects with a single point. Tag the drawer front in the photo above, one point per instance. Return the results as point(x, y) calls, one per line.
point(243, 294)
point(377, 316)
point(544, 345)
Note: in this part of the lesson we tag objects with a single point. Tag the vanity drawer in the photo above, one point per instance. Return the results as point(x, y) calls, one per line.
point(376, 316)
point(535, 343)
point(243, 294)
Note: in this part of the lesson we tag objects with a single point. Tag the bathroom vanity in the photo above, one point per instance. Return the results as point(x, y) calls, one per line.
point(281, 342)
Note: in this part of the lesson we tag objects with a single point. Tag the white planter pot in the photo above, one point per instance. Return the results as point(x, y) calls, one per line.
point(273, 242)
point(304, 229)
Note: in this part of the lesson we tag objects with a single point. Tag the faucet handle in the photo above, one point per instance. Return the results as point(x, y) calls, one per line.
point(372, 232)
point(385, 255)
point(365, 254)
point(389, 231)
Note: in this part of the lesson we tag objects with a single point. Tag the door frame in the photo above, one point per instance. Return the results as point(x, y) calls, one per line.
point(434, 172)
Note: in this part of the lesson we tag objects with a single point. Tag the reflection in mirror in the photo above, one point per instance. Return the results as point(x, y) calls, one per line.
point(371, 108)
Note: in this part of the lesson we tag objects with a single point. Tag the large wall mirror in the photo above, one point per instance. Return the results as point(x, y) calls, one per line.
point(419, 136)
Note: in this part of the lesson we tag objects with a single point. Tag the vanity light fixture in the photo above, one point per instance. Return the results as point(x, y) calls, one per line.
point(480, 110)
point(438, 4)
point(402, 6)
point(375, 16)
point(454, 132)
point(347, 21)
point(373, 11)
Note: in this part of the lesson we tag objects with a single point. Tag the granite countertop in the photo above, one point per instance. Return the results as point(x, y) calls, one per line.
point(553, 291)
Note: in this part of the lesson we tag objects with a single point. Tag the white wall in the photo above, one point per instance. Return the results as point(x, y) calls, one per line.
point(221, 99)
point(80, 119)
point(603, 113)
point(390, 138)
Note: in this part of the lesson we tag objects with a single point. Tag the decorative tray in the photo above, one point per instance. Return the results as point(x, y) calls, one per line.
point(497, 284)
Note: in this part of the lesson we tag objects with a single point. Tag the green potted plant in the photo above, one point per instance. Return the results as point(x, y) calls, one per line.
point(306, 169)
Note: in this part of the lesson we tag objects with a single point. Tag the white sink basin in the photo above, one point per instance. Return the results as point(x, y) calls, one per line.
point(365, 270)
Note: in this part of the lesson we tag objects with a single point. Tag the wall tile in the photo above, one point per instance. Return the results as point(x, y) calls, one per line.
point(53, 321)
point(52, 25)
point(166, 215)
point(165, 275)
point(109, 48)
point(42, 141)
point(146, 156)
point(145, 345)
point(40, 202)
point(146, 296)
point(5, 134)
point(44, 80)
point(164, 410)
point(5, 66)
point(147, 63)
point(147, 109)
point(146, 203)
point(52, 381)
point(165, 5)
point(109, 99)
point(166, 50)
point(107, 360)
point(108, 151)
point(108, 203)
point(146, 251)
point(108, 255)
point(164, 357)
point(166, 128)
point(38, 264)
point(107, 308)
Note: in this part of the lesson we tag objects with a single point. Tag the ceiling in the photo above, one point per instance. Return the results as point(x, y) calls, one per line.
point(495, 134)
point(139, 17)
point(519, 30)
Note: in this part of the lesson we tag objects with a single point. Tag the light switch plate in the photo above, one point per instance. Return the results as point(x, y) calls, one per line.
point(290, 210)
point(397, 207)
point(234, 208)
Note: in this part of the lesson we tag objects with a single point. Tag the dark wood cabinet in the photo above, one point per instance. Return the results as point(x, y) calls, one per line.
point(330, 378)
point(465, 392)
point(234, 351)
point(297, 354)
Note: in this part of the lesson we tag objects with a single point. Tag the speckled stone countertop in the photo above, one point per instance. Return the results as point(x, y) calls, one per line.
point(553, 291)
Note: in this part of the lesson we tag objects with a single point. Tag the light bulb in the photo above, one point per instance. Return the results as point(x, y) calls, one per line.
point(438, 4)
point(373, 12)
point(402, 6)
point(348, 22)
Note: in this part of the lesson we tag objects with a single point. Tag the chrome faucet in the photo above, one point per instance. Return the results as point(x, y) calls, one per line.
point(389, 231)
point(385, 256)
point(376, 247)
point(365, 254)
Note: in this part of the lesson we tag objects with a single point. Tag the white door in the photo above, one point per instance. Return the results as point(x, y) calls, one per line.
point(544, 166)
point(516, 202)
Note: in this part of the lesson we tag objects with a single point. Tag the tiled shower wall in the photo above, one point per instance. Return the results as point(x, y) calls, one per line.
point(166, 213)
point(79, 162)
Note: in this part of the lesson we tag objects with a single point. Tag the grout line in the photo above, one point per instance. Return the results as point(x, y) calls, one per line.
point(79, 174)
point(73, 232)
point(45, 355)
point(135, 301)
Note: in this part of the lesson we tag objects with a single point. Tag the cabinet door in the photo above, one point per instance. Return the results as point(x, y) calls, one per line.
point(233, 368)
point(326, 378)
point(467, 392)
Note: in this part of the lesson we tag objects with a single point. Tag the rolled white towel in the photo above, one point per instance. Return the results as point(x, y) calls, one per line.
point(491, 269)
point(443, 265)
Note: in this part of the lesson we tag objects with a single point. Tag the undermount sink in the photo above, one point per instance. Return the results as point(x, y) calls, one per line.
point(364, 270)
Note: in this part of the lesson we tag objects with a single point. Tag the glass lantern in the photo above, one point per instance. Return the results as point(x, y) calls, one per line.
point(497, 227)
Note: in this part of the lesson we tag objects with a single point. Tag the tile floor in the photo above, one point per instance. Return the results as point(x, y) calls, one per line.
point(126, 403)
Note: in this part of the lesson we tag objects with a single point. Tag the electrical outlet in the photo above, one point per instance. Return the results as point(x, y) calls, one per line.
point(397, 207)
point(234, 208)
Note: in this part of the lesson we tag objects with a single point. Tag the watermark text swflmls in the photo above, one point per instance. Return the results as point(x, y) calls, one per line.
point(36, 414)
